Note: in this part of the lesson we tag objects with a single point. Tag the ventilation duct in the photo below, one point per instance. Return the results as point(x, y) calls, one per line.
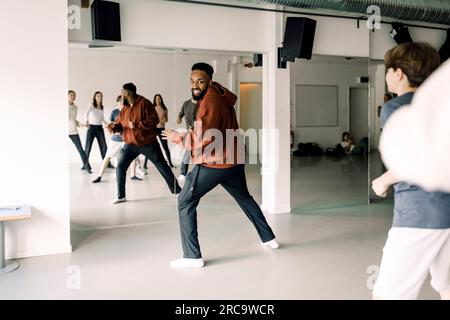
point(433, 11)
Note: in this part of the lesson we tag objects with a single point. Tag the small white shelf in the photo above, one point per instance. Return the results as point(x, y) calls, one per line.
point(10, 213)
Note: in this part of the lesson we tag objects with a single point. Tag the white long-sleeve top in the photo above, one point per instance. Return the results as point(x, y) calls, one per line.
point(73, 122)
point(95, 116)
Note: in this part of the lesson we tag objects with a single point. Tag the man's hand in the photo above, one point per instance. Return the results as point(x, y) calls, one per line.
point(380, 187)
point(114, 127)
point(178, 120)
point(131, 125)
point(171, 135)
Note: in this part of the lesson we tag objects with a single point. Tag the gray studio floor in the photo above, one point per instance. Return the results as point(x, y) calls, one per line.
point(328, 242)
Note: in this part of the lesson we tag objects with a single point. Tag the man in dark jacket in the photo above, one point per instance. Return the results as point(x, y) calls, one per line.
point(222, 165)
point(137, 122)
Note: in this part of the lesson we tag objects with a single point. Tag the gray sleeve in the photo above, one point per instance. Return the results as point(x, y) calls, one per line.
point(386, 112)
point(182, 111)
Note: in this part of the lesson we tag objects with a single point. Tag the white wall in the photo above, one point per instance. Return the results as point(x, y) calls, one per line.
point(246, 75)
point(107, 70)
point(250, 117)
point(377, 91)
point(33, 162)
point(340, 37)
point(344, 76)
point(381, 40)
point(176, 25)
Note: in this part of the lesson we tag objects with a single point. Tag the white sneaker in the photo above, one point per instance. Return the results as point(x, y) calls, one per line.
point(119, 200)
point(140, 172)
point(272, 243)
point(187, 263)
point(181, 180)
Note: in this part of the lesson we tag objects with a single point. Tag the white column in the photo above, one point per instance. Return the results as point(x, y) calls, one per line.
point(34, 158)
point(276, 170)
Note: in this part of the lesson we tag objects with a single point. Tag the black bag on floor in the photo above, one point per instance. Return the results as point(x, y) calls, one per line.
point(308, 149)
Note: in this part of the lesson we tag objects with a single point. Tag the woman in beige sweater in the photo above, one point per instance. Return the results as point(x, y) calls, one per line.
point(162, 112)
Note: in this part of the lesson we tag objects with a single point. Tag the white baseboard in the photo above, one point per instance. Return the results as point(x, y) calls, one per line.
point(278, 210)
point(38, 252)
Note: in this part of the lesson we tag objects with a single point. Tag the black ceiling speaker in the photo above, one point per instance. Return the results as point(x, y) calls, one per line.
point(105, 20)
point(400, 33)
point(258, 60)
point(444, 52)
point(298, 38)
point(282, 63)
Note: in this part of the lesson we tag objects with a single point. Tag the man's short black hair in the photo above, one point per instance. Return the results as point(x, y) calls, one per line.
point(204, 67)
point(130, 87)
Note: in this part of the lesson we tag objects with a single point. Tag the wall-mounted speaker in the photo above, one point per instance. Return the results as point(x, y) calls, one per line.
point(298, 38)
point(282, 63)
point(258, 60)
point(400, 33)
point(362, 79)
point(105, 20)
point(444, 52)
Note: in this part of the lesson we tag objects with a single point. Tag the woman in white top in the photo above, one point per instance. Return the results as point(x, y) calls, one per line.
point(73, 131)
point(95, 121)
point(347, 143)
point(162, 112)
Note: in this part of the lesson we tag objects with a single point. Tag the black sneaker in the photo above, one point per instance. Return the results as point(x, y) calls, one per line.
point(98, 179)
point(136, 178)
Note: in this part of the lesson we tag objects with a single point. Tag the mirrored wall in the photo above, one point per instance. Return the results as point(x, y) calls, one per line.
point(329, 120)
point(160, 72)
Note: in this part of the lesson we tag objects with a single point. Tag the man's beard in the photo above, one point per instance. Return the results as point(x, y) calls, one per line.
point(199, 97)
point(125, 102)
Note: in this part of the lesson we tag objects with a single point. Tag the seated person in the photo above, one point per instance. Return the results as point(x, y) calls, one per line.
point(345, 147)
point(347, 143)
point(348, 147)
point(362, 148)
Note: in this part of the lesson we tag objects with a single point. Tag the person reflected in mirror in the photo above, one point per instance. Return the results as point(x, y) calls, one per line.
point(115, 145)
point(163, 115)
point(95, 121)
point(74, 124)
point(188, 111)
point(137, 123)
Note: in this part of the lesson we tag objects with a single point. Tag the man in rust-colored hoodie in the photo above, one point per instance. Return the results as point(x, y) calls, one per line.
point(137, 122)
point(219, 161)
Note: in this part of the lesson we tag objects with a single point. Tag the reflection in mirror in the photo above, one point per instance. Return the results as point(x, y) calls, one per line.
point(162, 77)
point(379, 95)
point(329, 119)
